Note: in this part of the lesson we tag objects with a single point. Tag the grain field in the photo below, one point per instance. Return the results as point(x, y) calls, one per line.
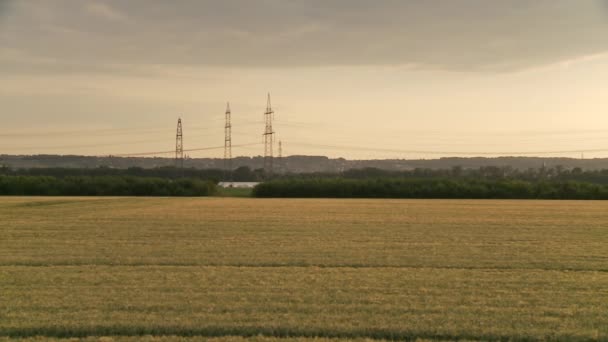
point(165, 269)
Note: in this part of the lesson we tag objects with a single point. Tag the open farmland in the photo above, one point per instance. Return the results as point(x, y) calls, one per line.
point(262, 269)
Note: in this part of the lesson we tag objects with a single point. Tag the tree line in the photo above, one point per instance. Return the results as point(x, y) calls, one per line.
point(456, 182)
point(557, 173)
point(445, 188)
point(240, 174)
point(245, 174)
point(103, 186)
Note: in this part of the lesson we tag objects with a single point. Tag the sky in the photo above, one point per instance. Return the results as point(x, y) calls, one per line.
point(348, 78)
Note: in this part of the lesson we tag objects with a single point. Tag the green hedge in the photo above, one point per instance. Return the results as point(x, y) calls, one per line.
point(103, 186)
point(430, 188)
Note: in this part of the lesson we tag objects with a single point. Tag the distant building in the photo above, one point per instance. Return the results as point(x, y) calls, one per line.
point(245, 185)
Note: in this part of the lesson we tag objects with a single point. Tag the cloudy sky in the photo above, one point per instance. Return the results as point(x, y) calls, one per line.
point(351, 78)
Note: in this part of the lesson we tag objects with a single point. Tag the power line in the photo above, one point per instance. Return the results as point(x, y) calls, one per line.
point(185, 150)
point(356, 148)
point(106, 131)
point(508, 153)
point(89, 145)
point(270, 135)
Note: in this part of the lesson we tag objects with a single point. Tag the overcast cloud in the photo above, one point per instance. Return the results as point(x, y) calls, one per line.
point(463, 35)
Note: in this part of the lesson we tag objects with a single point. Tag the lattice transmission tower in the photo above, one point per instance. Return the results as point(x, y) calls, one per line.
point(280, 157)
point(268, 138)
point(179, 146)
point(228, 143)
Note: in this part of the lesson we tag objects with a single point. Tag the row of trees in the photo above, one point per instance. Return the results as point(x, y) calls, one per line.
point(245, 174)
point(241, 174)
point(485, 172)
point(430, 188)
point(103, 186)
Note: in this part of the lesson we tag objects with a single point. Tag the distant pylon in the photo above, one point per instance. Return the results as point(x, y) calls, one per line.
point(179, 146)
point(280, 155)
point(268, 138)
point(228, 142)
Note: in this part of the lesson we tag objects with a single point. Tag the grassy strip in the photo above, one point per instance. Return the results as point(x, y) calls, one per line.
point(277, 332)
point(301, 265)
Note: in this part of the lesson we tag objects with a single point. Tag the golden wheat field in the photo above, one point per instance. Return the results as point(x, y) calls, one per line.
point(242, 269)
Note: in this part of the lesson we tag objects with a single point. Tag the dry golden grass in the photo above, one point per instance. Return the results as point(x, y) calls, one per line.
point(241, 268)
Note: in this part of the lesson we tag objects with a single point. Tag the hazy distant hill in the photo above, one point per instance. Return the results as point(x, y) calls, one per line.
point(298, 163)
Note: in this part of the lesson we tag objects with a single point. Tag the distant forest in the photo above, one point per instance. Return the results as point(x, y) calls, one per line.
point(297, 164)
